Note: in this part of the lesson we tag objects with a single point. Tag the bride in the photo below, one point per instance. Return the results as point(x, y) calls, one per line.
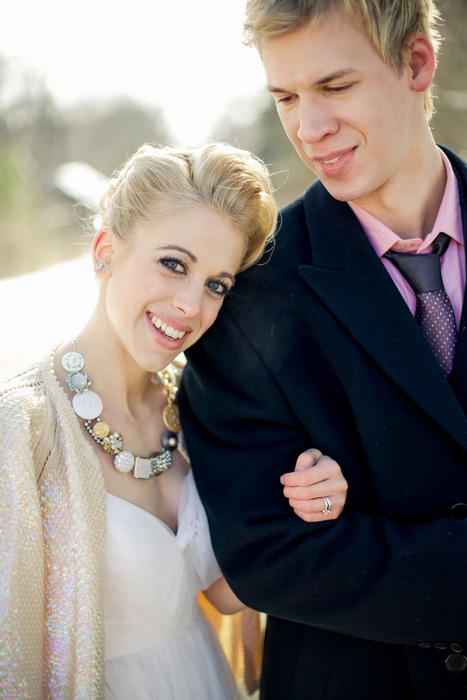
point(105, 544)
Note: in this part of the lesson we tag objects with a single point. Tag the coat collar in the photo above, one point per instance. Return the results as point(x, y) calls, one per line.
point(459, 371)
point(350, 279)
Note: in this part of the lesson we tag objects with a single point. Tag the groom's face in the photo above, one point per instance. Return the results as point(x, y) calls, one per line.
point(349, 115)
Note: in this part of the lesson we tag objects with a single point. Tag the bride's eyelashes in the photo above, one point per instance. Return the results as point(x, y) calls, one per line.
point(174, 265)
point(179, 267)
point(219, 287)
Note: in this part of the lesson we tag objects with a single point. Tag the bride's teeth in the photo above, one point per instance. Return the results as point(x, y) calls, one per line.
point(332, 160)
point(168, 330)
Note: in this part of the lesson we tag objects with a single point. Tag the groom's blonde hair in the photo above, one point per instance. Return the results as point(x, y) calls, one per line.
point(387, 23)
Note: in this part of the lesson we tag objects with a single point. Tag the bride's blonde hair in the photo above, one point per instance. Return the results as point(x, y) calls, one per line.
point(161, 181)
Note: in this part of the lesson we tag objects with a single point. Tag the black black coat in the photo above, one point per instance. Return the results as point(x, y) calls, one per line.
point(317, 348)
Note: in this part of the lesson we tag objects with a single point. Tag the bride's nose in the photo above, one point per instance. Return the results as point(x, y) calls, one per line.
point(188, 301)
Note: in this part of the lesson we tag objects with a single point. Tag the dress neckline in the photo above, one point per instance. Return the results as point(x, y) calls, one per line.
point(154, 517)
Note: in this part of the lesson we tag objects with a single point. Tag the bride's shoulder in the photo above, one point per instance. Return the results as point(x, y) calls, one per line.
point(26, 392)
point(19, 382)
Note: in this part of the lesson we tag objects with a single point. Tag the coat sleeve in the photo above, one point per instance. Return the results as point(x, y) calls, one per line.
point(360, 575)
point(21, 560)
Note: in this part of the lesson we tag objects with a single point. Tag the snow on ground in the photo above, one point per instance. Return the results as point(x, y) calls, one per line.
point(39, 309)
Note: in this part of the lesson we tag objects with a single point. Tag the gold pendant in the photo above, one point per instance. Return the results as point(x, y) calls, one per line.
point(171, 418)
point(101, 429)
point(113, 444)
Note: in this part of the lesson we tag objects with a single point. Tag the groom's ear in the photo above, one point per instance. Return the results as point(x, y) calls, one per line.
point(421, 61)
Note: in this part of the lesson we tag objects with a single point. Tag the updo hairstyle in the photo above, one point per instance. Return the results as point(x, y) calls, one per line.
point(163, 181)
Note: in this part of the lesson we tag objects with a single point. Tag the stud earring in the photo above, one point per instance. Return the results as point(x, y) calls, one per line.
point(99, 266)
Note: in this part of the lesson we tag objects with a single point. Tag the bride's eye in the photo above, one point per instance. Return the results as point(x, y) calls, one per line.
point(174, 265)
point(219, 288)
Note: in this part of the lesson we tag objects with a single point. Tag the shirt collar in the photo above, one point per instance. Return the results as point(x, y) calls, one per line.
point(448, 219)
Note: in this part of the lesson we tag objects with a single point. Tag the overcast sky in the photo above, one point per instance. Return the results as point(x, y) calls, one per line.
point(185, 56)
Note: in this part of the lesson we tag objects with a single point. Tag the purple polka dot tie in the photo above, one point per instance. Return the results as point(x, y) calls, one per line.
point(433, 311)
point(435, 315)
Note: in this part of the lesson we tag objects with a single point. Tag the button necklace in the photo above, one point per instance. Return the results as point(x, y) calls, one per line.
point(88, 405)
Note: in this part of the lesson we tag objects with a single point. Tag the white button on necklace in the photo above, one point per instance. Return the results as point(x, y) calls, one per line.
point(88, 405)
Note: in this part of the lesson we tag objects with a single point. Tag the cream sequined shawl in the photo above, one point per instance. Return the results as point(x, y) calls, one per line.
point(52, 529)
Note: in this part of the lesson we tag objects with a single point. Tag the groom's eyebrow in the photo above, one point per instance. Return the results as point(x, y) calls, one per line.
point(192, 257)
point(342, 73)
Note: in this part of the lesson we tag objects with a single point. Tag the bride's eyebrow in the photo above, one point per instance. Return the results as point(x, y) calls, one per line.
point(192, 257)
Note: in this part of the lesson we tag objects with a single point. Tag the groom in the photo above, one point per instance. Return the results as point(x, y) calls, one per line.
point(344, 342)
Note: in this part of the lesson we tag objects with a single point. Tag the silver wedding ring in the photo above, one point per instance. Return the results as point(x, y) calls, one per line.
point(327, 505)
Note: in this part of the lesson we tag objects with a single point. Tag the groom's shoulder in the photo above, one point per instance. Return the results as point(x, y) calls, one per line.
point(294, 217)
point(291, 245)
point(291, 232)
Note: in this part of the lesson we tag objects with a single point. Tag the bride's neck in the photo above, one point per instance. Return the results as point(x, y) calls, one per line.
point(115, 375)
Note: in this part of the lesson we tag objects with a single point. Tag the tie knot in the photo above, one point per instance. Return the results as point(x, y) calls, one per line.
point(422, 272)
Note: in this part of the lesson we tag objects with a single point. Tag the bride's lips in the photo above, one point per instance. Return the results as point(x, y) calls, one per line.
point(336, 162)
point(167, 332)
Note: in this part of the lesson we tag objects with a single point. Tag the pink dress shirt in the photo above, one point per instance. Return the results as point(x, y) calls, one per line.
point(448, 220)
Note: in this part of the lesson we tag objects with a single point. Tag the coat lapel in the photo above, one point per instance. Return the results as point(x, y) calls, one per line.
point(459, 371)
point(350, 279)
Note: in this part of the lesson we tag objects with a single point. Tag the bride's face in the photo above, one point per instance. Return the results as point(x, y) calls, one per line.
point(165, 287)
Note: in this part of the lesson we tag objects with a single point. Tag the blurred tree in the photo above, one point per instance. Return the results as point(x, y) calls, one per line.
point(35, 125)
point(449, 122)
point(37, 223)
point(106, 137)
point(29, 130)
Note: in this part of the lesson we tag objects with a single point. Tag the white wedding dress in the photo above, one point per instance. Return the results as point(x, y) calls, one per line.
point(158, 644)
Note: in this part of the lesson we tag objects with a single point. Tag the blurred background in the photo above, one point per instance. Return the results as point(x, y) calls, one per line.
point(84, 84)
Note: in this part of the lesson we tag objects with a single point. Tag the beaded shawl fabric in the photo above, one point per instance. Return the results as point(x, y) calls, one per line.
point(52, 536)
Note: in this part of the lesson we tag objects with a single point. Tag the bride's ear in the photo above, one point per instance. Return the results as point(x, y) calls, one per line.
point(103, 248)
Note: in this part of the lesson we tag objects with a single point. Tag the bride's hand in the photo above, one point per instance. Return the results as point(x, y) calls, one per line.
point(317, 485)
